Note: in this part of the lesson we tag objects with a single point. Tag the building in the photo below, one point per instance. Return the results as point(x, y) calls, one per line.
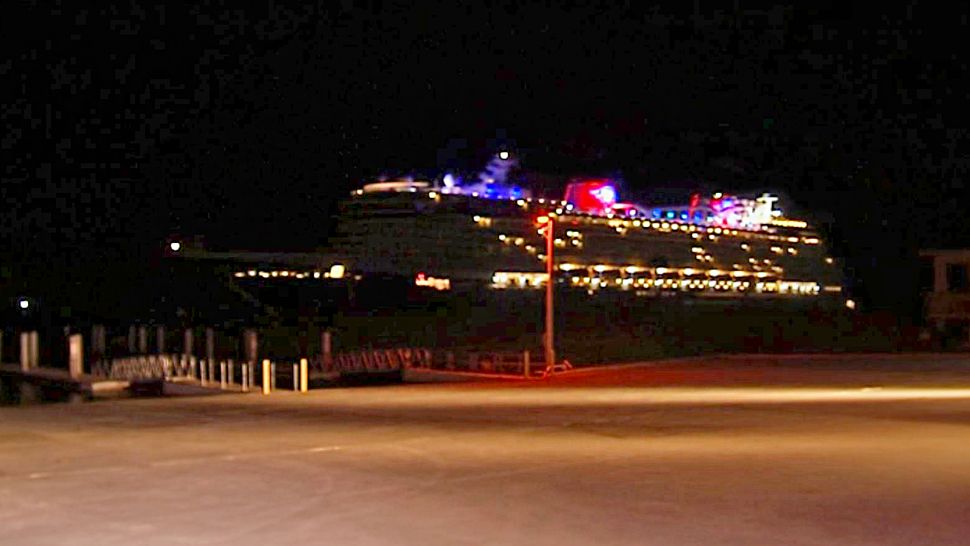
point(947, 308)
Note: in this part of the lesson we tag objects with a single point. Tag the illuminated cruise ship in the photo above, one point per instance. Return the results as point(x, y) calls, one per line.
point(447, 234)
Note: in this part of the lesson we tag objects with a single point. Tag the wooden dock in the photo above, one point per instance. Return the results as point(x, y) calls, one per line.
point(61, 379)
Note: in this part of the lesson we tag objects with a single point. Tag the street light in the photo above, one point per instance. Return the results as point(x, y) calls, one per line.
point(175, 246)
point(546, 223)
point(24, 303)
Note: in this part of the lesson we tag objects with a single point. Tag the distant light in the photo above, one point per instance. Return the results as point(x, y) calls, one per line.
point(542, 220)
point(23, 303)
point(503, 155)
point(175, 246)
point(337, 271)
point(850, 304)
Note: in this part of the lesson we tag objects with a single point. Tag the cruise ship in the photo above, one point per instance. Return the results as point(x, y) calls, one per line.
point(450, 235)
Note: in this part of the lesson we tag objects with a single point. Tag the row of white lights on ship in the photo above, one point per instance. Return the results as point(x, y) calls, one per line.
point(634, 269)
point(537, 280)
point(337, 271)
point(576, 239)
point(674, 225)
point(783, 287)
point(621, 227)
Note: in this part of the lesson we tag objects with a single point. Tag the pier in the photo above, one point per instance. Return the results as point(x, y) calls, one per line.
point(62, 379)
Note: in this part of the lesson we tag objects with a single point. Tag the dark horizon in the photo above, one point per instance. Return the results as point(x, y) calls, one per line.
point(126, 127)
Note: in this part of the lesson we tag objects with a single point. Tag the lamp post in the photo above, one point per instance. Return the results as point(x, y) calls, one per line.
point(548, 337)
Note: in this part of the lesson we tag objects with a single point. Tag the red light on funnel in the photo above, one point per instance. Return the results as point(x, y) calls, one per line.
point(595, 196)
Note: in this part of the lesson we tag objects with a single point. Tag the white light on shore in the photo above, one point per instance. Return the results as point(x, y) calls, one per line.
point(23, 303)
point(175, 246)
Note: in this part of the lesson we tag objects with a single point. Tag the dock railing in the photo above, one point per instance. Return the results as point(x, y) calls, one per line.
point(519, 363)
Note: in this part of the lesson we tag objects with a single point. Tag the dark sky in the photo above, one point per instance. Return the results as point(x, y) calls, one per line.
point(125, 124)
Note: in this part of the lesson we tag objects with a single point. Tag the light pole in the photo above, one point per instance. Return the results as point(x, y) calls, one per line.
point(548, 337)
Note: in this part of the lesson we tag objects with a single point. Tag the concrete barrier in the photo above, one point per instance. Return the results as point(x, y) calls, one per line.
point(304, 375)
point(245, 377)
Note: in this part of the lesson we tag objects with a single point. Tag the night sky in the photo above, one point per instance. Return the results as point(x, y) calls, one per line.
point(125, 125)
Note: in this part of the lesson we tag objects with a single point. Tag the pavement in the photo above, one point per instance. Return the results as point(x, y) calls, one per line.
point(857, 449)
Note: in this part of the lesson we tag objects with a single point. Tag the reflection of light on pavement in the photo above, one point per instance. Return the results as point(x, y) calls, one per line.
point(694, 396)
point(592, 397)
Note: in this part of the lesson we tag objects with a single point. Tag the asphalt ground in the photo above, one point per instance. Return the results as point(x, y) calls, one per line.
point(743, 450)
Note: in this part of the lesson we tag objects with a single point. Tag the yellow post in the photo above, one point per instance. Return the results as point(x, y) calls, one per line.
point(303, 375)
point(266, 383)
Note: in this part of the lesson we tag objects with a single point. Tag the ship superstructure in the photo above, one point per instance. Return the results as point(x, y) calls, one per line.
point(445, 234)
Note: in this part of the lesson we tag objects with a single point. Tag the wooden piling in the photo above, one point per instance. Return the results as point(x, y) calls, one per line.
point(75, 355)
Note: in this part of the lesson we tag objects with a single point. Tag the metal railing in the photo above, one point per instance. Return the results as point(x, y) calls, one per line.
point(520, 363)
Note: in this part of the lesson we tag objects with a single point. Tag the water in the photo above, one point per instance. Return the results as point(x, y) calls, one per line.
point(17, 392)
